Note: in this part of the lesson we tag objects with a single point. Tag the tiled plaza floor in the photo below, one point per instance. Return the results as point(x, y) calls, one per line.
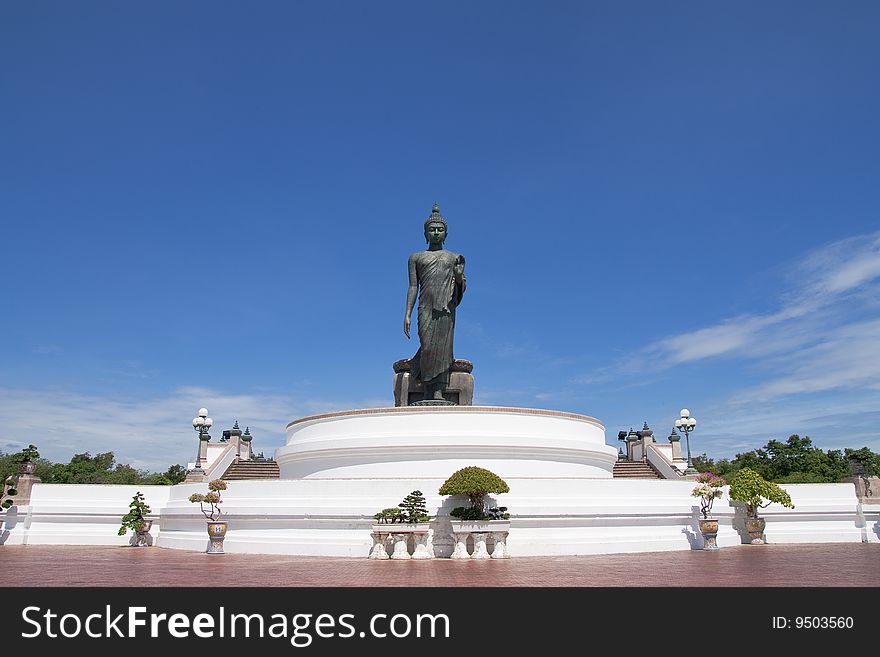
point(817, 565)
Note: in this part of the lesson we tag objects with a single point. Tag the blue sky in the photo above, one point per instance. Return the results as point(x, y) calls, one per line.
point(661, 205)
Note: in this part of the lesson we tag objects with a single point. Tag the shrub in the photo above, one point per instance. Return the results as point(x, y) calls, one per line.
point(472, 513)
point(749, 487)
point(7, 490)
point(388, 516)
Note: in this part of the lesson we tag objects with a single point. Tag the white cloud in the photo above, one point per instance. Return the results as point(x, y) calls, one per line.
point(148, 433)
point(830, 284)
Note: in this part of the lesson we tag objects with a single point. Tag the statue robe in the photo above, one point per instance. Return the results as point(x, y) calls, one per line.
point(438, 297)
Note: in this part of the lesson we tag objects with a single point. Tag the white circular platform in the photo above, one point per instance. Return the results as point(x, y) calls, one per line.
point(435, 441)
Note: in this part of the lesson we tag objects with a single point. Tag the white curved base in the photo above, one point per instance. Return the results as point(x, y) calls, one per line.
point(437, 441)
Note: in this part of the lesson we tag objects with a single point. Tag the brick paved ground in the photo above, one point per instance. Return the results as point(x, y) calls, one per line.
point(822, 564)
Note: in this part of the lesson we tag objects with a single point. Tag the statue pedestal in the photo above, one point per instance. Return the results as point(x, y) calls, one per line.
point(435, 441)
point(460, 390)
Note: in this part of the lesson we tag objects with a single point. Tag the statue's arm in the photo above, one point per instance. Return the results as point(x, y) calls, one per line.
point(411, 293)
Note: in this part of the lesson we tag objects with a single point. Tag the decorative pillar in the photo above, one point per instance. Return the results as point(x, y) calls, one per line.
point(460, 551)
point(480, 551)
point(422, 551)
point(500, 549)
point(400, 548)
point(378, 551)
point(675, 441)
point(24, 482)
point(235, 436)
point(246, 452)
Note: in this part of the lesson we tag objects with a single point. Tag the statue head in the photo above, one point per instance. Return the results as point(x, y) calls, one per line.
point(436, 228)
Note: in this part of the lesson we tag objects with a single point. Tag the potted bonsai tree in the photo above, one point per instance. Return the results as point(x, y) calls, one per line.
point(755, 492)
point(410, 517)
point(708, 489)
point(136, 520)
point(25, 459)
point(7, 491)
point(216, 527)
point(477, 520)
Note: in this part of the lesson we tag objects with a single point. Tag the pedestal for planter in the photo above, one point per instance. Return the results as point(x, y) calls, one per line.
point(380, 537)
point(479, 530)
point(216, 534)
point(709, 530)
point(422, 537)
point(143, 537)
point(755, 528)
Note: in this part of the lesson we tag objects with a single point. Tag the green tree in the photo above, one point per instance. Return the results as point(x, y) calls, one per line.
point(866, 458)
point(794, 461)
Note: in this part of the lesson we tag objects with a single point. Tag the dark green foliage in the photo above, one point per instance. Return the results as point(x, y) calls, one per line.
point(411, 510)
point(794, 461)
point(414, 508)
point(473, 513)
point(87, 469)
point(476, 483)
point(866, 458)
point(29, 453)
point(389, 516)
point(7, 490)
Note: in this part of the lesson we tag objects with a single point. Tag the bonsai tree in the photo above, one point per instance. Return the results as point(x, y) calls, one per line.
point(211, 498)
point(476, 483)
point(135, 519)
point(414, 509)
point(29, 453)
point(7, 491)
point(750, 487)
point(708, 489)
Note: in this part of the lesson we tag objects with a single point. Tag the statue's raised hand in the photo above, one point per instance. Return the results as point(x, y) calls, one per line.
point(458, 268)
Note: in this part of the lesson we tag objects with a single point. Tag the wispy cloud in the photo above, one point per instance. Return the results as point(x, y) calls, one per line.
point(146, 433)
point(811, 366)
point(818, 324)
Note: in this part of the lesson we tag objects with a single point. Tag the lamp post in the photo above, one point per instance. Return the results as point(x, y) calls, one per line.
point(685, 424)
point(202, 424)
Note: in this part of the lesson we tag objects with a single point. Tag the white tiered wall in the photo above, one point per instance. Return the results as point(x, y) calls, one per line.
point(339, 469)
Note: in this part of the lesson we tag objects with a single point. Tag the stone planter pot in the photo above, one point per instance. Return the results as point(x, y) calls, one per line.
point(216, 534)
point(755, 528)
point(399, 534)
point(709, 530)
point(26, 467)
point(143, 537)
point(480, 530)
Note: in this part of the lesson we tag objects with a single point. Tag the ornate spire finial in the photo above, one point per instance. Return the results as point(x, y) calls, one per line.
point(435, 217)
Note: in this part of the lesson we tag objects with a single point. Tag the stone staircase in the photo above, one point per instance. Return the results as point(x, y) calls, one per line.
point(254, 469)
point(634, 470)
